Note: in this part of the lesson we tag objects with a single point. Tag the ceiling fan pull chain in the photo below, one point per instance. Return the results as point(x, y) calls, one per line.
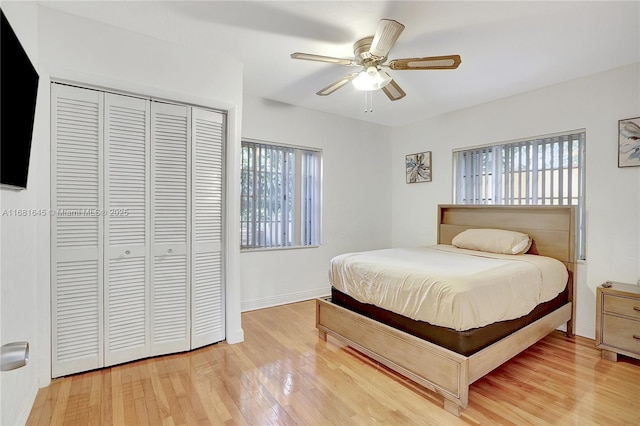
point(368, 101)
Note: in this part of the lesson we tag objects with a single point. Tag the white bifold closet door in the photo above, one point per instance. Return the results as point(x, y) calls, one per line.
point(137, 244)
point(127, 226)
point(170, 251)
point(77, 234)
point(207, 306)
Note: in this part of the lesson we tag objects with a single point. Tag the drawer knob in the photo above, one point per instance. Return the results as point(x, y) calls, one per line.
point(635, 336)
point(636, 308)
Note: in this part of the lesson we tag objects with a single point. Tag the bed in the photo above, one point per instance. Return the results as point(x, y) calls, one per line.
point(448, 359)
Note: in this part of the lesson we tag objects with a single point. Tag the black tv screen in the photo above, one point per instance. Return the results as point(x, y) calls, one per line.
point(18, 90)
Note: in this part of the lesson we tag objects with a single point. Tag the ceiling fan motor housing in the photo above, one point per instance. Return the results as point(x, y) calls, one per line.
point(361, 49)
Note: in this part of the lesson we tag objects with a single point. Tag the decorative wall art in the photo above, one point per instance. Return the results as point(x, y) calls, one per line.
point(629, 142)
point(419, 167)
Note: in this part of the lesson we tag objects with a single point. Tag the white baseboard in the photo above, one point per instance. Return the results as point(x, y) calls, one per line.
point(283, 299)
point(585, 330)
point(25, 410)
point(235, 337)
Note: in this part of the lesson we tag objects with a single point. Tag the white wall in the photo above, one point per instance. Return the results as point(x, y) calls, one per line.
point(356, 192)
point(73, 48)
point(21, 259)
point(595, 103)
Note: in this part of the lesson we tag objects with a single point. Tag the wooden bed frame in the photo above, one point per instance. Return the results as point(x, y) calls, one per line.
point(450, 374)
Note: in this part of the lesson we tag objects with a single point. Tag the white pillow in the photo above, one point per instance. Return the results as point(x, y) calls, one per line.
point(493, 241)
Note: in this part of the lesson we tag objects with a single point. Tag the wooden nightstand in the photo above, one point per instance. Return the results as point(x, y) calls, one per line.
point(618, 320)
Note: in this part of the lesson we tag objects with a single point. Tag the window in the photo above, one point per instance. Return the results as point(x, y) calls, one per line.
point(280, 200)
point(545, 170)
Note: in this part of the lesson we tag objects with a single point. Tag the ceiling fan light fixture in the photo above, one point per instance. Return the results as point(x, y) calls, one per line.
point(371, 79)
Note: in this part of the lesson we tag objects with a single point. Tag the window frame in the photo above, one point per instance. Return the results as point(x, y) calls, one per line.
point(302, 181)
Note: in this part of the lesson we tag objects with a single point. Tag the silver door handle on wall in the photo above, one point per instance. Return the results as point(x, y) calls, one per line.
point(14, 355)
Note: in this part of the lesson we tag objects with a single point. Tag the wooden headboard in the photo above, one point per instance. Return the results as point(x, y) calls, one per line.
point(552, 228)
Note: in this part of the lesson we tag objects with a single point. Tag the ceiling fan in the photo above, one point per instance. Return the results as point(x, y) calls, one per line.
point(371, 53)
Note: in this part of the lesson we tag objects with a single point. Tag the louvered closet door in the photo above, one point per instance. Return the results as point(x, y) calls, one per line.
point(76, 230)
point(207, 306)
point(170, 248)
point(126, 307)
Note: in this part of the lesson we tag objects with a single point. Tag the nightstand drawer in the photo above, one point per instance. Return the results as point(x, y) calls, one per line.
point(619, 332)
point(629, 307)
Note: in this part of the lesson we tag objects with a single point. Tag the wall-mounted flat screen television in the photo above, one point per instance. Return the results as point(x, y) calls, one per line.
point(18, 90)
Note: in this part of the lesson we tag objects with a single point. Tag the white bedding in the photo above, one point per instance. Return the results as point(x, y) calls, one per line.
point(447, 286)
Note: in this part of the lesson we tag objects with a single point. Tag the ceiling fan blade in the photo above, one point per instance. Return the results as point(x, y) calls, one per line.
point(337, 84)
point(386, 35)
point(320, 58)
point(429, 63)
point(393, 91)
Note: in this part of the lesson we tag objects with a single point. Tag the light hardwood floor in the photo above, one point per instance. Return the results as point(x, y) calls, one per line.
point(284, 374)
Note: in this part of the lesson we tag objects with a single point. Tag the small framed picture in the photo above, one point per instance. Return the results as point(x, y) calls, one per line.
point(629, 142)
point(419, 167)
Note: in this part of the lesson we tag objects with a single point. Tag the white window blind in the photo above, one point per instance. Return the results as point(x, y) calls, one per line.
point(547, 170)
point(280, 200)
point(310, 195)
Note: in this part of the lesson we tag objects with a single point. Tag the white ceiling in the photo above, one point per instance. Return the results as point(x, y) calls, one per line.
point(507, 47)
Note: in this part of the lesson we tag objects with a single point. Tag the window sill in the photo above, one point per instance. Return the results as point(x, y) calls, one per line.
point(253, 250)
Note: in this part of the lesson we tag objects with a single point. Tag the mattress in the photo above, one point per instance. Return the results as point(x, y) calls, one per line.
point(449, 287)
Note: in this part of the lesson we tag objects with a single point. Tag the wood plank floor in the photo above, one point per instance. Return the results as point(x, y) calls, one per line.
point(284, 374)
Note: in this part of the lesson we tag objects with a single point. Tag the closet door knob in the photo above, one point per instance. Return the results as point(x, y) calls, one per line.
point(127, 252)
